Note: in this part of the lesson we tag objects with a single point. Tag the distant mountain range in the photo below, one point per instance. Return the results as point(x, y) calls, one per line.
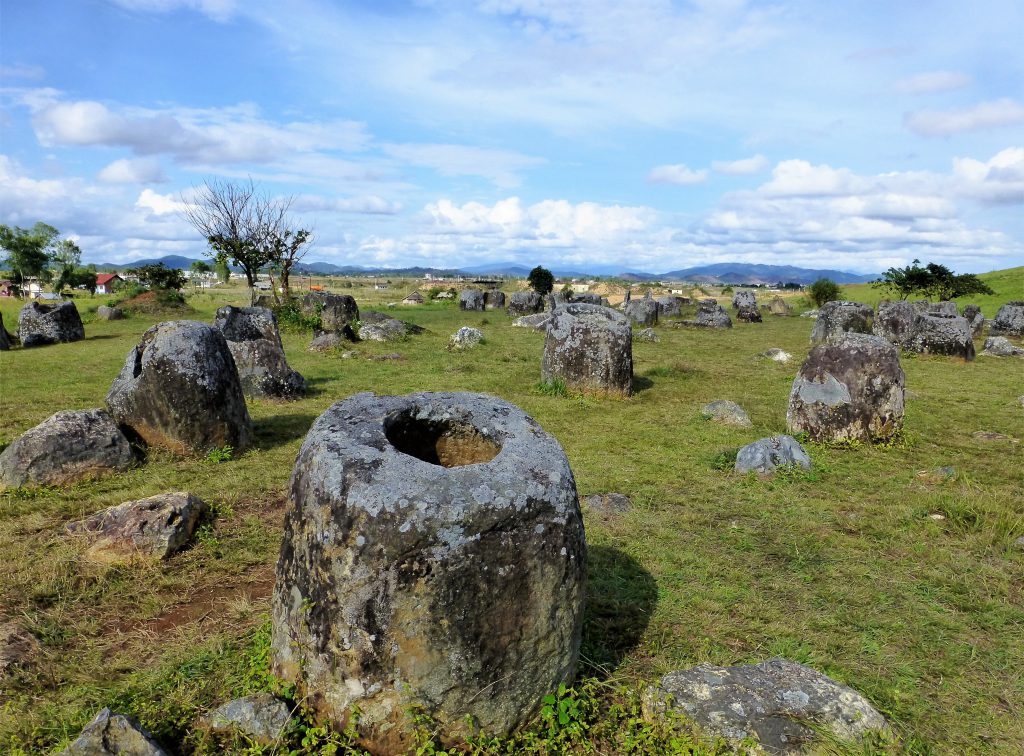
point(717, 273)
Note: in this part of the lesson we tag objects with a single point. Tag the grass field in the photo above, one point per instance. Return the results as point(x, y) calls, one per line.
point(844, 567)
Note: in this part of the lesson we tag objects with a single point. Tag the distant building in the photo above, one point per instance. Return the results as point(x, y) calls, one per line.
point(413, 299)
point(105, 282)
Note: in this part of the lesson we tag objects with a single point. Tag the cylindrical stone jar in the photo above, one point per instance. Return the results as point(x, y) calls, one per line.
point(590, 347)
point(433, 559)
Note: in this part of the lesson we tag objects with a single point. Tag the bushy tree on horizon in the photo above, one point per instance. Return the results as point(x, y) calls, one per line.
point(541, 280)
point(824, 290)
point(931, 280)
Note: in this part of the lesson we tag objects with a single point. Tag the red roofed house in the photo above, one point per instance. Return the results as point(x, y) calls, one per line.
point(105, 282)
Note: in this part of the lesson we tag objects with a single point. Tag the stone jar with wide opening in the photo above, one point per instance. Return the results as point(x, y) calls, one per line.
point(433, 562)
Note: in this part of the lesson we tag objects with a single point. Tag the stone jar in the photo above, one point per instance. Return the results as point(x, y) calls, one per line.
point(433, 559)
point(590, 348)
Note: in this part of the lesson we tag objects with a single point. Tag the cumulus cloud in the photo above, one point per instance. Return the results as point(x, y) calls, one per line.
point(743, 167)
point(984, 115)
point(931, 82)
point(502, 167)
point(999, 180)
point(678, 174)
point(133, 171)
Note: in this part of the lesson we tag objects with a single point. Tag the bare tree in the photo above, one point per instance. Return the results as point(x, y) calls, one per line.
point(249, 228)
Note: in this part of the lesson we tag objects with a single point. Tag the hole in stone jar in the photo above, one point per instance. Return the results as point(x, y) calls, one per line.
point(447, 443)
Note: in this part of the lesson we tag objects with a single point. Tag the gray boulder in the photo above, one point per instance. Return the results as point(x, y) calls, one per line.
point(766, 454)
point(776, 355)
point(778, 702)
point(110, 734)
point(710, 314)
point(744, 298)
point(647, 335)
point(1000, 346)
point(585, 297)
point(260, 717)
point(748, 314)
point(850, 389)
point(325, 341)
point(1009, 321)
point(779, 306)
point(433, 557)
point(538, 321)
point(472, 300)
point(109, 313)
point(836, 318)
point(895, 322)
point(386, 329)
point(179, 388)
point(945, 307)
point(590, 348)
point(608, 504)
point(494, 299)
point(809, 313)
point(727, 413)
point(938, 333)
point(255, 343)
point(153, 528)
point(66, 448)
point(465, 338)
point(642, 312)
point(338, 312)
point(975, 319)
point(668, 307)
point(41, 324)
point(525, 303)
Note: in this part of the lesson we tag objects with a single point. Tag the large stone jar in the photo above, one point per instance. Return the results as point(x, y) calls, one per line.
point(590, 347)
point(433, 559)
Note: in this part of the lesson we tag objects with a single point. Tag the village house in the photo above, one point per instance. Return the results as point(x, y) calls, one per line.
point(413, 299)
point(106, 282)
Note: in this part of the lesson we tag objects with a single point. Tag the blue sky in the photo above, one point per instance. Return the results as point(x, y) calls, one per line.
point(609, 135)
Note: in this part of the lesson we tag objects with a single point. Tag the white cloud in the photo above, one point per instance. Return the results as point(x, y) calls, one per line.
point(744, 167)
point(364, 205)
point(933, 81)
point(984, 115)
point(159, 204)
point(133, 171)
point(502, 167)
point(677, 174)
point(218, 10)
point(998, 180)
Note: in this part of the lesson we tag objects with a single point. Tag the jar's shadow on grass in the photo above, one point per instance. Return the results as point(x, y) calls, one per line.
point(621, 598)
point(277, 430)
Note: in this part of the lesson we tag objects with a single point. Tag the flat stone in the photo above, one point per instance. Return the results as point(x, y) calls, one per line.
point(465, 338)
point(766, 454)
point(776, 355)
point(261, 717)
point(983, 435)
point(608, 504)
point(770, 702)
point(647, 335)
point(537, 321)
point(326, 341)
point(727, 413)
point(1000, 346)
point(110, 734)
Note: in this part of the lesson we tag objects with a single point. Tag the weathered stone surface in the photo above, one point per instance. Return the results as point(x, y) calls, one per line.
point(937, 333)
point(538, 321)
point(895, 322)
point(585, 297)
point(608, 504)
point(110, 734)
point(179, 388)
point(710, 314)
point(647, 335)
point(494, 299)
point(433, 555)
point(465, 338)
point(727, 413)
point(776, 355)
point(668, 307)
point(16, 646)
point(472, 300)
point(325, 341)
point(748, 314)
point(109, 313)
point(525, 303)
point(975, 319)
point(779, 306)
point(5, 338)
point(66, 448)
point(387, 329)
point(589, 347)
point(851, 389)
point(642, 312)
point(809, 313)
point(744, 298)
point(390, 323)
point(766, 454)
point(944, 307)
point(255, 343)
point(337, 311)
point(41, 324)
point(1000, 346)
point(839, 317)
point(1009, 321)
point(153, 528)
point(774, 702)
point(260, 717)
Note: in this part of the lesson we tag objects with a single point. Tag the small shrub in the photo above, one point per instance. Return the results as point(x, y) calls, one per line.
point(221, 454)
point(555, 387)
point(824, 290)
point(291, 318)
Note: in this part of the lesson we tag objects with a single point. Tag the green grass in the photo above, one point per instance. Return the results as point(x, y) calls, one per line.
point(842, 568)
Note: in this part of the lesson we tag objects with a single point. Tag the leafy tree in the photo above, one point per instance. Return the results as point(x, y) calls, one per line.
point(75, 276)
point(541, 280)
point(160, 277)
point(932, 280)
point(28, 249)
point(200, 267)
point(824, 290)
point(727, 289)
point(905, 281)
point(287, 247)
point(220, 266)
point(68, 257)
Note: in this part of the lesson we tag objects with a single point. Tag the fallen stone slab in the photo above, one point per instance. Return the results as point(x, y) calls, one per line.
point(608, 504)
point(727, 413)
point(537, 321)
point(1000, 346)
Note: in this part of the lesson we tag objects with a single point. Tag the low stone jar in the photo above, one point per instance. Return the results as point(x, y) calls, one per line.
point(433, 559)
